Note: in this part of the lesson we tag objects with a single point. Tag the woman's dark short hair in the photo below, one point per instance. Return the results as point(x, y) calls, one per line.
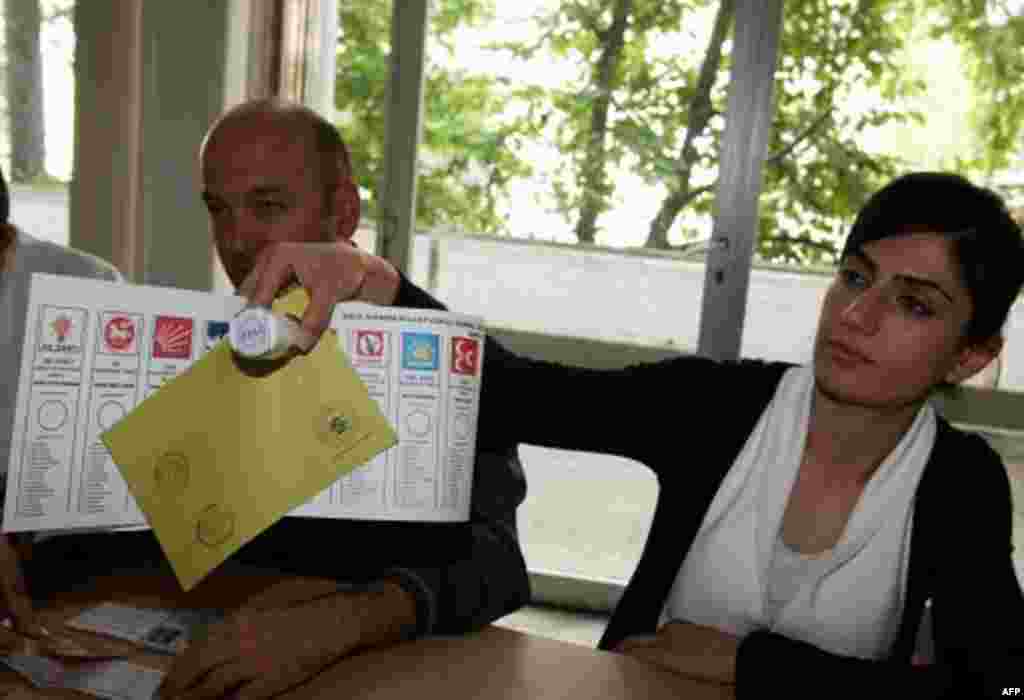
point(986, 240)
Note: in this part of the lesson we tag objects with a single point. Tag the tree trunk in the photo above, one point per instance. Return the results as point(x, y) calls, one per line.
point(25, 89)
point(699, 114)
point(592, 176)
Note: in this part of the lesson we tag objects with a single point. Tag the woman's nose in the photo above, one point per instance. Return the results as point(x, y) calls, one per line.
point(864, 311)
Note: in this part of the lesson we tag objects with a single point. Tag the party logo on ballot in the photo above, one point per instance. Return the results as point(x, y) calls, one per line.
point(465, 355)
point(420, 351)
point(119, 334)
point(172, 338)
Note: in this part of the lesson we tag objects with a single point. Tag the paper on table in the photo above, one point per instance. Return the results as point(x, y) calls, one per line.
point(165, 630)
point(218, 455)
point(114, 680)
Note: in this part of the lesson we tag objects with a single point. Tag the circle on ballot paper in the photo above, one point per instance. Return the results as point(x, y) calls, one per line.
point(171, 473)
point(419, 423)
point(52, 415)
point(110, 413)
point(462, 426)
point(215, 525)
point(333, 424)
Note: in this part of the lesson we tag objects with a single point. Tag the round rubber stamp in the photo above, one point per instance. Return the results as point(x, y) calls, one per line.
point(171, 473)
point(333, 424)
point(215, 525)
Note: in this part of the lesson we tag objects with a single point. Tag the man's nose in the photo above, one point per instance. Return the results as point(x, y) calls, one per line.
point(234, 232)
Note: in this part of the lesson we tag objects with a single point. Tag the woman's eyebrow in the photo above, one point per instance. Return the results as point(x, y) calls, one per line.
point(909, 279)
point(923, 282)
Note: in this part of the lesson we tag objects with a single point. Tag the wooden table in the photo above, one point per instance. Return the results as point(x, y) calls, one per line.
point(494, 663)
point(501, 663)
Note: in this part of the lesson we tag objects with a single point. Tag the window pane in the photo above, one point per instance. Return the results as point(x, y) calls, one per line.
point(37, 115)
point(565, 187)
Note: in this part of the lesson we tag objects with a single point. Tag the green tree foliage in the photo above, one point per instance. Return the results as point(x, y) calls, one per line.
point(24, 83)
point(468, 153)
point(992, 31)
point(638, 104)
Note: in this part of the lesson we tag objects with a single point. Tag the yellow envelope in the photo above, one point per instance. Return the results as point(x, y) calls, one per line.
point(218, 454)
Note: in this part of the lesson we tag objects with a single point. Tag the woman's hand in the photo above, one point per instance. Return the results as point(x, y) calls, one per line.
point(690, 650)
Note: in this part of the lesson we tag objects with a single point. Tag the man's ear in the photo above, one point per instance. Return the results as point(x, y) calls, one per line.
point(974, 358)
point(346, 209)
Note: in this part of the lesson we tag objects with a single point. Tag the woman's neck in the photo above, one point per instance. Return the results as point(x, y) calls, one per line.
point(851, 440)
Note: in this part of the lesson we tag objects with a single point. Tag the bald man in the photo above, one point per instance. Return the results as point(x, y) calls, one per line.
point(283, 207)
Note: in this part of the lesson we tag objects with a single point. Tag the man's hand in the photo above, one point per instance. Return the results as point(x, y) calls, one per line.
point(330, 272)
point(16, 601)
point(285, 636)
point(687, 649)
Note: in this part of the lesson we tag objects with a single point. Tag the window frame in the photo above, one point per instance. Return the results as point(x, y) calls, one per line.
point(251, 48)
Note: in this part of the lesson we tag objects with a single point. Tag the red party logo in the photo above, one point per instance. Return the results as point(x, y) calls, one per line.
point(61, 327)
point(465, 355)
point(370, 343)
point(119, 334)
point(172, 338)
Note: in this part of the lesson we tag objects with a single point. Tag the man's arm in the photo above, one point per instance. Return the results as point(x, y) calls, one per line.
point(299, 627)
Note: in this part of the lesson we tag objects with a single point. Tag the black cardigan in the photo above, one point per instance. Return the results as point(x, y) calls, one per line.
point(687, 419)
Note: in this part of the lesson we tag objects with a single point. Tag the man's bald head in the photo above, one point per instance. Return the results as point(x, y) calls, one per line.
point(321, 138)
point(275, 172)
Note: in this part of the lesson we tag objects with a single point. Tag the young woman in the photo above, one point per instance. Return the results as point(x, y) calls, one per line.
point(806, 514)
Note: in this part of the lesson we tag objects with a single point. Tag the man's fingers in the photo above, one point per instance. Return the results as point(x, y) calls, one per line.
point(304, 340)
point(10, 641)
point(25, 623)
point(272, 272)
point(215, 684)
point(217, 649)
point(270, 684)
point(290, 592)
point(317, 316)
point(251, 283)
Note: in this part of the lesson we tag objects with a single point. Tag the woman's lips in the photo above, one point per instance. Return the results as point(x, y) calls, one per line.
point(846, 354)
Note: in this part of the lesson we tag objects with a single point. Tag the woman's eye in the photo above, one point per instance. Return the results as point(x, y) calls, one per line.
point(852, 279)
point(916, 307)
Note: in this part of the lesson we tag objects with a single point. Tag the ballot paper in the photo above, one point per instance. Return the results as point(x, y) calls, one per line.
point(232, 445)
point(163, 630)
point(55, 646)
point(423, 368)
point(115, 680)
point(96, 353)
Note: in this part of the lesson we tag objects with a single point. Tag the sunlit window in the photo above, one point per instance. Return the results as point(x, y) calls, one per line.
point(37, 114)
point(569, 164)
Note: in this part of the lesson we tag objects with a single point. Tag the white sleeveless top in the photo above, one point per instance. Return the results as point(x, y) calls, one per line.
point(849, 603)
